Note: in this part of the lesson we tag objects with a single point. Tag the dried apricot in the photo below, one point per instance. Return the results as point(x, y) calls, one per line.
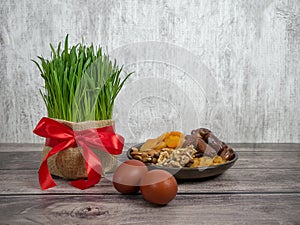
point(161, 145)
point(176, 133)
point(172, 141)
point(149, 144)
point(163, 136)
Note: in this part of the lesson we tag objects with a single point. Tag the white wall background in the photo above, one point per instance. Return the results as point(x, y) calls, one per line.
point(232, 66)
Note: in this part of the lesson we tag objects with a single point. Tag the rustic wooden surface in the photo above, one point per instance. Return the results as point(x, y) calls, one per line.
point(250, 48)
point(263, 187)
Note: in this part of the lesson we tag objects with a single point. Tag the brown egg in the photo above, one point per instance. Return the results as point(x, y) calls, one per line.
point(158, 187)
point(127, 177)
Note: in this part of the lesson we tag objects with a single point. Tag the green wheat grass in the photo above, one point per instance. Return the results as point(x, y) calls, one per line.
point(81, 82)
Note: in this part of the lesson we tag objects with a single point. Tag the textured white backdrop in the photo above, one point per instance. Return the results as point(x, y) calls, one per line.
point(232, 66)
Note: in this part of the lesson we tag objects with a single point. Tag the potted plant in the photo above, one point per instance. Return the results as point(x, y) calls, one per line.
point(81, 85)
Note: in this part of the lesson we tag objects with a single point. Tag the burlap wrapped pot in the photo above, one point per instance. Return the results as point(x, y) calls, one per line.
point(70, 163)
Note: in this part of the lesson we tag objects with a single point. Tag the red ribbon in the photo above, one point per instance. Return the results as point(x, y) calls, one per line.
point(61, 137)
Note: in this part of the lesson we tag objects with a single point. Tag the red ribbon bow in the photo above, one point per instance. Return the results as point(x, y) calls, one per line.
point(64, 137)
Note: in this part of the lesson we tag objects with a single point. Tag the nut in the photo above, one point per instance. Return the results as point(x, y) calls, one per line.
point(177, 158)
point(134, 149)
point(138, 157)
point(162, 157)
point(135, 153)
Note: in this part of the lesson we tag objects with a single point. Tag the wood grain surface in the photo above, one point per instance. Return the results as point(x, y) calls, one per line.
point(119, 209)
point(231, 66)
point(263, 187)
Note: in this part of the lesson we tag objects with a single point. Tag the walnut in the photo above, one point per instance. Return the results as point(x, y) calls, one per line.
point(177, 158)
point(164, 155)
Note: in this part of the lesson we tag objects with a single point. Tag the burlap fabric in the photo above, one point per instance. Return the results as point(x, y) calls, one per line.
point(70, 163)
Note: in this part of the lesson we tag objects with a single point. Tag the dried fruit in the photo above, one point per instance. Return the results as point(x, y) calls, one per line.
point(173, 149)
point(173, 139)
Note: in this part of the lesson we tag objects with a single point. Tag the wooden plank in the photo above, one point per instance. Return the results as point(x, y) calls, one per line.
point(271, 160)
point(232, 181)
point(254, 147)
point(250, 48)
point(239, 147)
point(16, 147)
point(265, 146)
point(124, 209)
point(268, 160)
point(20, 160)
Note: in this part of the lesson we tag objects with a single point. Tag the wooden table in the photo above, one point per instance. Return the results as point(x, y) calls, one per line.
point(263, 187)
